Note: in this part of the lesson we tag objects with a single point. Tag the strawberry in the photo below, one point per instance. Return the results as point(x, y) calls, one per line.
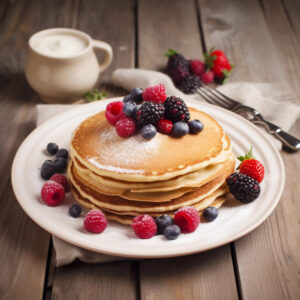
point(218, 53)
point(251, 166)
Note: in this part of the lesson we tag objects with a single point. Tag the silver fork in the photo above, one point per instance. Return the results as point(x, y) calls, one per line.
point(213, 96)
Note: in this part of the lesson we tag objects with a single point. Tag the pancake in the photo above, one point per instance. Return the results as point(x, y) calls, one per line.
point(98, 147)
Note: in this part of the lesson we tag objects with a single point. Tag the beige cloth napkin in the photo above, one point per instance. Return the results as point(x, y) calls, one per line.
point(269, 99)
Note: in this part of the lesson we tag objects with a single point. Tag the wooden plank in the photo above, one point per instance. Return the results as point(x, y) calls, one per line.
point(94, 281)
point(112, 22)
point(24, 245)
point(268, 258)
point(292, 9)
point(163, 25)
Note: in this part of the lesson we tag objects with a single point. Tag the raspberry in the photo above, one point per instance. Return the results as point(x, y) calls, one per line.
point(155, 93)
point(144, 226)
point(208, 77)
point(197, 67)
point(114, 112)
point(187, 218)
point(176, 109)
point(125, 127)
point(149, 113)
point(164, 126)
point(53, 193)
point(62, 180)
point(95, 221)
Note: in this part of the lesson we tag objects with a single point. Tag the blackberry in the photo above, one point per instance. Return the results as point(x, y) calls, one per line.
point(176, 109)
point(189, 84)
point(243, 187)
point(149, 113)
point(176, 60)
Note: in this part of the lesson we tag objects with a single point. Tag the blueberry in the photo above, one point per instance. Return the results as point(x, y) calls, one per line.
point(148, 132)
point(137, 95)
point(210, 213)
point(48, 169)
point(75, 211)
point(52, 148)
point(60, 165)
point(62, 153)
point(172, 232)
point(129, 109)
point(179, 129)
point(195, 126)
point(127, 99)
point(162, 222)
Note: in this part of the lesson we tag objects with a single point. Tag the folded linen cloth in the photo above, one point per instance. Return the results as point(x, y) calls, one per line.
point(264, 97)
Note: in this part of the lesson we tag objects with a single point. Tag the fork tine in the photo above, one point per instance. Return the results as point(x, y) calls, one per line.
point(215, 91)
point(204, 97)
point(220, 99)
point(215, 100)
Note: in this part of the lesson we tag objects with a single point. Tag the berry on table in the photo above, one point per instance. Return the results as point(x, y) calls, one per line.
point(172, 232)
point(162, 222)
point(176, 61)
point(52, 193)
point(48, 169)
point(187, 218)
point(197, 67)
point(52, 148)
point(75, 211)
point(63, 153)
point(156, 94)
point(95, 221)
point(243, 187)
point(164, 126)
point(179, 129)
point(148, 131)
point(62, 180)
point(114, 112)
point(144, 226)
point(195, 126)
point(149, 113)
point(190, 84)
point(179, 74)
point(176, 109)
point(129, 109)
point(125, 127)
point(208, 77)
point(251, 166)
point(136, 95)
point(210, 213)
point(60, 165)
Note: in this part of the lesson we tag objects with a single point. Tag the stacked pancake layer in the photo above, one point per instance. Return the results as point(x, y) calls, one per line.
point(134, 176)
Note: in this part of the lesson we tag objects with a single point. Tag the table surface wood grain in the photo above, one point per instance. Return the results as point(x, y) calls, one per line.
point(262, 37)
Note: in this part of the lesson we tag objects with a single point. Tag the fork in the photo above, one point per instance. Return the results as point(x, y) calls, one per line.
point(213, 96)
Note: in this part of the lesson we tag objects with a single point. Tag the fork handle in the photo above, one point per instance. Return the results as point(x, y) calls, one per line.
point(288, 140)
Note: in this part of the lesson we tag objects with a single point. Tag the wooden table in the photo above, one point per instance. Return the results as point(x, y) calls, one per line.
point(263, 40)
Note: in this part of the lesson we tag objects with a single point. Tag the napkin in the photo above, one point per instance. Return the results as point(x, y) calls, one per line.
point(273, 101)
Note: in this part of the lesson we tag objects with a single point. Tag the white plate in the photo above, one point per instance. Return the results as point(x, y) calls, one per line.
point(234, 220)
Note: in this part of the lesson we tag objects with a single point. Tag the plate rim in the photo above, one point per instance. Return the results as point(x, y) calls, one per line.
point(187, 251)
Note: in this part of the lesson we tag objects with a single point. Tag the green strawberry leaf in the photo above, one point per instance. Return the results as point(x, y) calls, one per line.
point(248, 155)
point(170, 53)
point(209, 60)
point(94, 95)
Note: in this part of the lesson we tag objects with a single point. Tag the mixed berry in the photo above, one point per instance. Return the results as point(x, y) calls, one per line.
point(150, 111)
point(188, 75)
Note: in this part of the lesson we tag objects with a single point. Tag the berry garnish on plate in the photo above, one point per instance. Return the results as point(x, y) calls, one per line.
point(156, 94)
point(48, 169)
point(210, 213)
point(243, 187)
point(63, 153)
point(179, 129)
point(195, 126)
point(75, 211)
point(187, 218)
point(53, 193)
point(251, 166)
point(149, 113)
point(136, 95)
point(164, 126)
point(52, 148)
point(148, 131)
point(129, 109)
point(144, 226)
point(172, 232)
point(114, 112)
point(60, 165)
point(176, 109)
point(95, 221)
point(125, 127)
point(162, 222)
point(62, 180)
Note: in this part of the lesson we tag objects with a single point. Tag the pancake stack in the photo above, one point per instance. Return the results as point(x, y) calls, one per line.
point(126, 177)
